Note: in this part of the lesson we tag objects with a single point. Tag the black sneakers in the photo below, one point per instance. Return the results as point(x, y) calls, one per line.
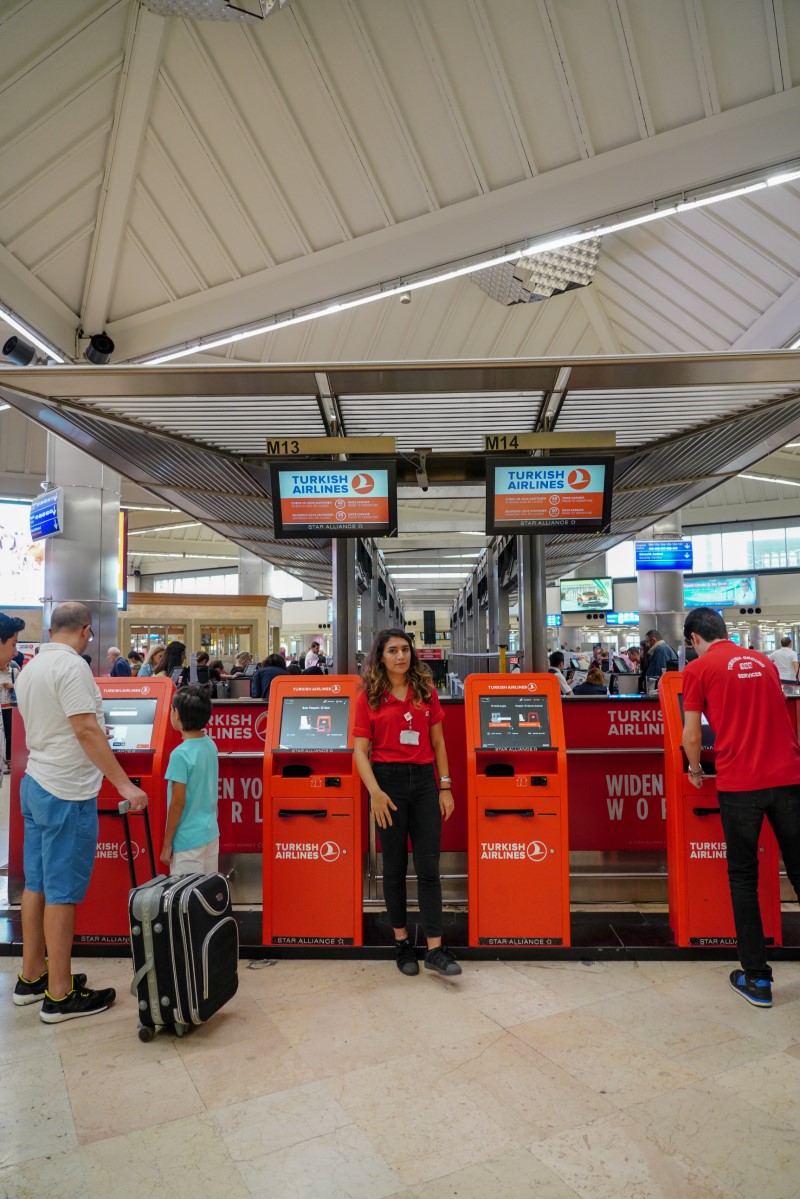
point(757, 991)
point(32, 991)
point(442, 961)
point(79, 1002)
point(406, 957)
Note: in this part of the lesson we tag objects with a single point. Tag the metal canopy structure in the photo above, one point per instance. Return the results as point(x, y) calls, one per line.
point(195, 437)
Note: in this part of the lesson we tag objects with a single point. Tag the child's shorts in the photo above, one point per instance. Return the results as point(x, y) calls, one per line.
point(203, 860)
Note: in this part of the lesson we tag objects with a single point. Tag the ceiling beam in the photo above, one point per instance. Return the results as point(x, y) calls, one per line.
point(777, 326)
point(143, 51)
point(751, 137)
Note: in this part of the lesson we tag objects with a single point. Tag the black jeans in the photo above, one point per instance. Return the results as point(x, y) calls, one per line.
point(742, 814)
point(413, 789)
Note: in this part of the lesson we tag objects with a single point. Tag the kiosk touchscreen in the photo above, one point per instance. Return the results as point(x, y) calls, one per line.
point(517, 817)
point(700, 911)
point(138, 728)
point(312, 827)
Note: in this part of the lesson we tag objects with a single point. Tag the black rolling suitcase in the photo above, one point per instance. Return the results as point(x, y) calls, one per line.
point(185, 945)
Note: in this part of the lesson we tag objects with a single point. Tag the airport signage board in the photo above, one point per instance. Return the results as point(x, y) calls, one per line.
point(47, 515)
point(548, 495)
point(617, 618)
point(664, 555)
point(553, 620)
point(325, 499)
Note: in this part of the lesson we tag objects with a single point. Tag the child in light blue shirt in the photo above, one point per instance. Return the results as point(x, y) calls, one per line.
point(191, 838)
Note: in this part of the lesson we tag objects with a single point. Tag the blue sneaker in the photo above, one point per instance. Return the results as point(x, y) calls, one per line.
point(757, 991)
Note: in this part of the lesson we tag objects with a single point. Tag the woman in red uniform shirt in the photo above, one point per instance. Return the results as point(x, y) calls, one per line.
point(398, 738)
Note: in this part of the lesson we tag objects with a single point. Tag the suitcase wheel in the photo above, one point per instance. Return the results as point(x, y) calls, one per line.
point(145, 1033)
point(180, 1029)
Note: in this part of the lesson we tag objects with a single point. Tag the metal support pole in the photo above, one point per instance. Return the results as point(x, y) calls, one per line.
point(344, 606)
point(532, 603)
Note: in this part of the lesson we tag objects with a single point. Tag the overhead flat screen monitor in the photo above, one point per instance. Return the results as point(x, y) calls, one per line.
point(587, 595)
point(664, 555)
point(129, 723)
point(514, 722)
point(314, 724)
point(548, 495)
point(323, 499)
point(720, 591)
point(21, 559)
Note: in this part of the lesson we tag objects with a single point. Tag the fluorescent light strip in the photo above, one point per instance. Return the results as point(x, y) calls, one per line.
point(32, 336)
point(187, 524)
point(772, 479)
point(523, 249)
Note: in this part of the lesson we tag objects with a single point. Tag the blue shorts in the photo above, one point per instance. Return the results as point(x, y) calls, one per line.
point(60, 843)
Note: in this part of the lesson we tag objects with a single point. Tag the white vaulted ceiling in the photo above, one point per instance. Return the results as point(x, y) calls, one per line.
point(169, 180)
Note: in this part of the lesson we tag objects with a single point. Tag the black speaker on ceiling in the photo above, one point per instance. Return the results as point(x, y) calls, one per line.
point(429, 631)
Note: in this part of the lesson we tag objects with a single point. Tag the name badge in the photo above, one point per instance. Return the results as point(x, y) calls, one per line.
point(409, 737)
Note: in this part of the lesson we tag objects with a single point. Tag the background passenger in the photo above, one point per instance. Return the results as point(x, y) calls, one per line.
point(172, 664)
point(118, 664)
point(594, 685)
point(271, 668)
point(556, 667)
point(152, 662)
point(786, 661)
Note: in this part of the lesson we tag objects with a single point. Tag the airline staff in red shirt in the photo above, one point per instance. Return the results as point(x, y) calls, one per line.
point(398, 740)
point(758, 775)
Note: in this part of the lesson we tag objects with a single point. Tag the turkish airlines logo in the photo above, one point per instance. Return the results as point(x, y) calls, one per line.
point(362, 484)
point(536, 851)
point(123, 851)
point(260, 727)
point(510, 687)
point(329, 851)
point(579, 478)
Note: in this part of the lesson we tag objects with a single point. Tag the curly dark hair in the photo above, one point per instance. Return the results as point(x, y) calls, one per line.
point(376, 680)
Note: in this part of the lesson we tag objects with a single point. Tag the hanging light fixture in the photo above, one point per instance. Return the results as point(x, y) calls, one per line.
point(216, 10)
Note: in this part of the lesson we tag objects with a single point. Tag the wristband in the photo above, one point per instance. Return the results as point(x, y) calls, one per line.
point(695, 773)
point(445, 778)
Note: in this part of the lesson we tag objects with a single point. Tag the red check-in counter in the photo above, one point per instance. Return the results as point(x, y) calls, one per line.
point(517, 811)
point(139, 731)
point(312, 872)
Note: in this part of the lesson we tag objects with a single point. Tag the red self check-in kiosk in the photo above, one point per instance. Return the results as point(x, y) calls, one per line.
point(139, 731)
point(312, 826)
point(517, 821)
point(700, 911)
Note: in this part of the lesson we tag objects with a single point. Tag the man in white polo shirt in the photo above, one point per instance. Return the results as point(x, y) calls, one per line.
point(62, 711)
point(786, 661)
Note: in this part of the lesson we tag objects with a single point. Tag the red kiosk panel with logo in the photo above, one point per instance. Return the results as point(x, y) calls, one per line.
point(312, 827)
point(700, 911)
point(517, 818)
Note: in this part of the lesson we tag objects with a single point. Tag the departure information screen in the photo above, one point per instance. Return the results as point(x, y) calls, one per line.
point(313, 723)
point(514, 722)
point(129, 723)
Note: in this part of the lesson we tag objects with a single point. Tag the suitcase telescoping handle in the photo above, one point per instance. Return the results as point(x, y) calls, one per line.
point(124, 808)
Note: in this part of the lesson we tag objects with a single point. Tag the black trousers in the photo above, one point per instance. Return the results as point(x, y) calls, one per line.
point(7, 716)
point(413, 789)
point(742, 815)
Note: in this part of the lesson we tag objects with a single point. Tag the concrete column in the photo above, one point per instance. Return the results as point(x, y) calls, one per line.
point(344, 605)
point(255, 575)
point(83, 562)
point(756, 636)
point(532, 603)
point(795, 631)
point(660, 592)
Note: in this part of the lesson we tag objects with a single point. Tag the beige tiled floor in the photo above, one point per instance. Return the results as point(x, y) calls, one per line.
point(345, 1080)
